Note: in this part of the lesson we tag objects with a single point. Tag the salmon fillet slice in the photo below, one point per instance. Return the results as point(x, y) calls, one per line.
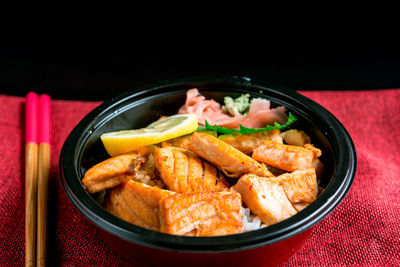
point(136, 203)
point(184, 172)
point(285, 157)
point(246, 143)
point(265, 198)
point(231, 161)
point(181, 141)
point(115, 170)
point(202, 214)
point(299, 186)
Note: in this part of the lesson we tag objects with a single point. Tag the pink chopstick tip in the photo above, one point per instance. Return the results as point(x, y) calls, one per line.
point(31, 117)
point(45, 99)
point(44, 133)
point(32, 95)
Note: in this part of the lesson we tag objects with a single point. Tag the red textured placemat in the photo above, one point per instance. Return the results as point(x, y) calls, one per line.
point(363, 230)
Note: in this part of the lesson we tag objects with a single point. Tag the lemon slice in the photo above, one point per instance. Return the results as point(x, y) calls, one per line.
point(120, 142)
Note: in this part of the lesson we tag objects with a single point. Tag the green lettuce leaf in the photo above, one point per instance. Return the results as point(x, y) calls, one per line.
point(245, 130)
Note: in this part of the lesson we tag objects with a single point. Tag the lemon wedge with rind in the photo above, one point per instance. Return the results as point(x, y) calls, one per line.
point(121, 142)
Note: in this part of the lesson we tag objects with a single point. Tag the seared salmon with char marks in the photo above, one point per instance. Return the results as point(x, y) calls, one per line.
point(231, 161)
point(184, 172)
point(265, 198)
point(299, 186)
point(202, 214)
point(136, 203)
point(248, 142)
point(316, 163)
point(115, 170)
point(285, 157)
point(181, 141)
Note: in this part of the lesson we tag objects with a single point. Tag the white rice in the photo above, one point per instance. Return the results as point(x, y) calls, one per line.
point(250, 221)
point(147, 174)
point(143, 176)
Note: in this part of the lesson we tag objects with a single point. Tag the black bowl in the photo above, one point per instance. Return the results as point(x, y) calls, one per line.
point(137, 108)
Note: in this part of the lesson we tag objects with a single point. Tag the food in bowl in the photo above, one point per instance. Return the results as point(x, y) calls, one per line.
point(238, 171)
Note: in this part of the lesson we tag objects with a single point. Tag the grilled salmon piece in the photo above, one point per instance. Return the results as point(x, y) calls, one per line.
point(202, 214)
point(316, 163)
point(232, 162)
point(299, 186)
point(248, 142)
point(285, 157)
point(184, 172)
point(184, 141)
point(136, 203)
point(181, 141)
point(113, 171)
point(265, 198)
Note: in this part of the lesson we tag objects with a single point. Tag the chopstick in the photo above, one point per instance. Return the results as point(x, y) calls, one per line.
point(37, 168)
point(31, 155)
point(43, 178)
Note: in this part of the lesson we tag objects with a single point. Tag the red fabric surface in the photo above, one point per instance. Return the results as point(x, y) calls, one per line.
point(363, 230)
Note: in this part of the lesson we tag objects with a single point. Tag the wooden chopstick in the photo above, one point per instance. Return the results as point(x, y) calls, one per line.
point(43, 178)
point(31, 159)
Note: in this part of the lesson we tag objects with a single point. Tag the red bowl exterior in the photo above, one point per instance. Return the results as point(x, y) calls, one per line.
point(268, 255)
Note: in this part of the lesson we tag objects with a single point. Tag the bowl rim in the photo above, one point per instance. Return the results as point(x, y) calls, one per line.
point(316, 211)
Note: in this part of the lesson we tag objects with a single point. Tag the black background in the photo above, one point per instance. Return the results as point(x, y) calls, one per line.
point(100, 72)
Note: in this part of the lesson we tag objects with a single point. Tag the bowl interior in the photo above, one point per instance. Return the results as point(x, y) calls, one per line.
point(138, 114)
point(138, 108)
